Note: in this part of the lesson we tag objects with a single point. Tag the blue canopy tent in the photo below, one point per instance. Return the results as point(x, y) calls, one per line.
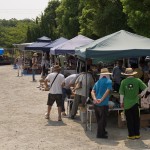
point(121, 44)
point(1, 51)
point(69, 46)
point(39, 44)
point(54, 43)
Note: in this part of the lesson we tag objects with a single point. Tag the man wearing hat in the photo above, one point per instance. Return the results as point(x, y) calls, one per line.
point(129, 99)
point(56, 81)
point(100, 94)
point(34, 65)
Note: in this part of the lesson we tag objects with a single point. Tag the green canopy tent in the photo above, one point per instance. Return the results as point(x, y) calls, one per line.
point(121, 44)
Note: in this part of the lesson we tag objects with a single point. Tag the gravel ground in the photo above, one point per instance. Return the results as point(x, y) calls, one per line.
point(23, 126)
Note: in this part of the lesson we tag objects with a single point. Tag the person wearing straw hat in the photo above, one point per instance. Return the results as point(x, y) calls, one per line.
point(100, 94)
point(34, 65)
point(129, 99)
point(56, 81)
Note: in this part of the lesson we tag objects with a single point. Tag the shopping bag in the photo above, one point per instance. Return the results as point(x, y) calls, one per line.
point(145, 102)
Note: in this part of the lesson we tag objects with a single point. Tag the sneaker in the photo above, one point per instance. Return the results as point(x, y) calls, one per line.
point(131, 137)
point(46, 116)
point(137, 137)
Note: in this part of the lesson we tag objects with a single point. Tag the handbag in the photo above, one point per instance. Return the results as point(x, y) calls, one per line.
point(145, 102)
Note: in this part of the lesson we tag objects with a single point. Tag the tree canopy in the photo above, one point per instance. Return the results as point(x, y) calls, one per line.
point(68, 18)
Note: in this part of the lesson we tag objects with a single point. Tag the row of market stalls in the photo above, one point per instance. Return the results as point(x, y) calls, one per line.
point(121, 44)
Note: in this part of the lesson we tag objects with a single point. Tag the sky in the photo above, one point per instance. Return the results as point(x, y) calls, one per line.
point(22, 9)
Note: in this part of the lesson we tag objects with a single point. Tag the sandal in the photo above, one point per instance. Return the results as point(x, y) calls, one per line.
point(46, 116)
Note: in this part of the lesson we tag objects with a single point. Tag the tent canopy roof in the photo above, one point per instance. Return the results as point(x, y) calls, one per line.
point(116, 45)
point(22, 45)
point(41, 42)
point(55, 43)
point(70, 45)
point(44, 39)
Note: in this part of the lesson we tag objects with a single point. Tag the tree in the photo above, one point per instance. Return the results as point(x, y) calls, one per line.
point(101, 17)
point(138, 13)
point(13, 31)
point(67, 18)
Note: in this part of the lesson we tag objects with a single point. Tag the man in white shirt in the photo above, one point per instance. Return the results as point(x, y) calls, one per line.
point(55, 93)
point(69, 81)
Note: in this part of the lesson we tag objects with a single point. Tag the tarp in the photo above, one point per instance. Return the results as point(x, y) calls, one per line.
point(54, 43)
point(121, 44)
point(1, 51)
point(41, 42)
point(22, 45)
point(69, 46)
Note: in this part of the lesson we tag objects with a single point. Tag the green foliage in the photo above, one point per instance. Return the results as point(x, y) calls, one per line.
point(46, 24)
point(67, 18)
point(13, 31)
point(138, 12)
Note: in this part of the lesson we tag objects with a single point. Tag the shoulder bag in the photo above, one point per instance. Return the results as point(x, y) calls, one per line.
point(53, 81)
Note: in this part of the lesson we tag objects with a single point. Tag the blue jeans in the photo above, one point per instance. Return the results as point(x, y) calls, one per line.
point(33, 74)
point(66, 92)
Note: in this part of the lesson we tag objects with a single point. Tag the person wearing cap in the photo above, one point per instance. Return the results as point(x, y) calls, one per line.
point(100, 94)
point(129, 99)
point(34, 65)
point(56, 80)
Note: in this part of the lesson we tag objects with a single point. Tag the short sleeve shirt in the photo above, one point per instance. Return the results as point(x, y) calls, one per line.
point(57, 84)
point(130, 89)
point(100, 88)
point(87, 84)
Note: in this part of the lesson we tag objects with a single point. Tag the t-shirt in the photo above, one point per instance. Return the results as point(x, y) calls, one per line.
point(85, 85)
point(130, 89)
point(117, 76)
point(34, 63)
point(70, 80)
point(57, 84)
point(19, 61)
point(100, 88)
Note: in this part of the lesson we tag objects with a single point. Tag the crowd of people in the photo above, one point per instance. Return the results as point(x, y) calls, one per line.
point(96, 82)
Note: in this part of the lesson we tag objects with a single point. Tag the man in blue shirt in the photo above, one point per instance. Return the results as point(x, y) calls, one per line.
point(100, 94)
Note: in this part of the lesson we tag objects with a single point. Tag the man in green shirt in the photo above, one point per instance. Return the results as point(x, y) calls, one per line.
point(129, 99)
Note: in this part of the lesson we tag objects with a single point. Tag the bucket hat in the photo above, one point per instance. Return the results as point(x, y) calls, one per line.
point(56, 68)
point(105, 71)
point(129, 72)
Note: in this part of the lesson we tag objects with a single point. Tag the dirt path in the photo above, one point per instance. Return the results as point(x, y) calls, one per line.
point(23, 126)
